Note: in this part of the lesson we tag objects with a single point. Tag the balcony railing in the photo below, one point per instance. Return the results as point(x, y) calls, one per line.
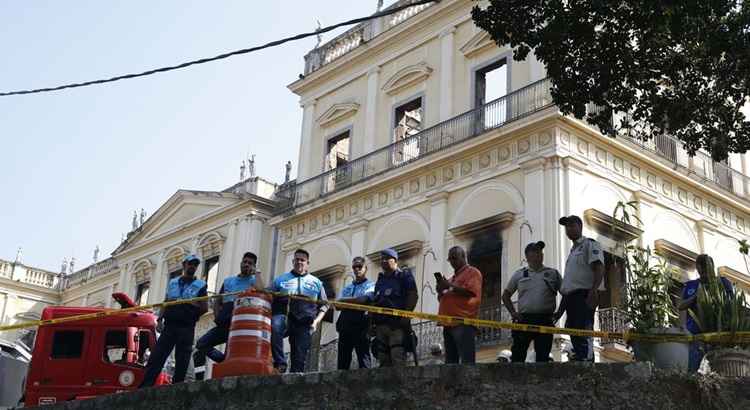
point(358, 35)
point(699, 166)
point(470, 124)
point(612, 320)
point(90, 272)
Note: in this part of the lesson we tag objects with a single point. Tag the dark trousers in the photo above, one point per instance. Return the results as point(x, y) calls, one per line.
point(300, 338)
point(460, 343)
point(542, 341)
point(205, 346)
point(580, 316)
point(181, 340)
point(357, 341)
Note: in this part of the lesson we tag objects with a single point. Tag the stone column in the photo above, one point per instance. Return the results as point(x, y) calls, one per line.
point(534, 195)
point(359, 245)
point(227, 252)
point(304, 166)
point(446, 73)
point(438, 232)
point(159, 277)
point(122, 282)
point(255, 232)
point(645, 213)
point(112, 290)
point(371, 109)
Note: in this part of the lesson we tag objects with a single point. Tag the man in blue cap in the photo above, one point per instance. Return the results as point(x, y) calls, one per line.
point(396, 289)
point(177, 323)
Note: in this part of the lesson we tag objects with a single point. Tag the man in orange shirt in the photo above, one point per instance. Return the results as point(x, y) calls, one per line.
point(460, 296)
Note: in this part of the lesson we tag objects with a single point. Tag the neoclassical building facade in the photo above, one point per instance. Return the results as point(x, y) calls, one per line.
point(419, 133)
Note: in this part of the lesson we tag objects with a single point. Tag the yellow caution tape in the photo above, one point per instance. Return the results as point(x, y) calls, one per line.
point(718, 337)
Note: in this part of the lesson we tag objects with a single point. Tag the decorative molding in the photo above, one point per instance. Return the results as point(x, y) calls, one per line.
point(405, 251)
point(502, 221)
point(330, 273)
point(477, 43)
point(675, 254)
point(337, 112)
point(738, 278)
point(608, 226)
point(406, 77)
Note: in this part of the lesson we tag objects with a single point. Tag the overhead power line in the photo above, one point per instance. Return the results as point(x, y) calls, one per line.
point(218, 57)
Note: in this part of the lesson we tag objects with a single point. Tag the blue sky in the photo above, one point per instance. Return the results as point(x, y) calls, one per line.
point(75, 164)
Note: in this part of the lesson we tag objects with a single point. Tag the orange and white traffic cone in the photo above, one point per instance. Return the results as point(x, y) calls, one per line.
point(249, 342)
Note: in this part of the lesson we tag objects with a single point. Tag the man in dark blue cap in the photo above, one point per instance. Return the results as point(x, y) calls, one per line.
point(177, 323)
point(396, 289)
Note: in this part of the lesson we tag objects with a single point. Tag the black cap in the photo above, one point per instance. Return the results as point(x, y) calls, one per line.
point(534, 246)
point(358, 260)
point(567, 220)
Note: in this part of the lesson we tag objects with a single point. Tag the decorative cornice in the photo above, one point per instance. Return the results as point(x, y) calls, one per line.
point(738, 278)
point(534, 164)
point(643, 196)
point(675, 254)
point(405, 251)
point(502, 220)
point(608, 226)
point(479, 42)
point(439, 197)
point(406, 77)
point(359, 224)
point(330, 272)
point(337, 112)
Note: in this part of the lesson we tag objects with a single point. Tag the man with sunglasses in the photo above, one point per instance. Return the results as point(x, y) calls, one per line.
point(353, 325)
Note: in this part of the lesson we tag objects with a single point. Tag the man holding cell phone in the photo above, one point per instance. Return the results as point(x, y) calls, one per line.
point(459, 296)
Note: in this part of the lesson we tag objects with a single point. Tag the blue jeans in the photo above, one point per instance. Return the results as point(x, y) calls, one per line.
point(300, 338)
point(206, 345)
point(460, 342)
point(357, 341)
point(580, 316)
point(173, 337)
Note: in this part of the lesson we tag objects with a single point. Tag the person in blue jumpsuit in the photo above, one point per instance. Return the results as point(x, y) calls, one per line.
point(353, 325)
point(177, 323)
point(294, 318)
point(223, 307)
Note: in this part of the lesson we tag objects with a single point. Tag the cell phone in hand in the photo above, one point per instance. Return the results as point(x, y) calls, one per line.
point(438, 276)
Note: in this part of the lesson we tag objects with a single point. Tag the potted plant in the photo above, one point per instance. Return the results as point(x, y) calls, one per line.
point(719, 308)
point(648, 304)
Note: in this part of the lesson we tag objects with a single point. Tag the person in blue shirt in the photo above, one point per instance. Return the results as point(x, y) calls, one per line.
point(223, 308)
point(177, 323)
point(353, 325)
point(704, 265)
point(395, 289)
point(294, 318)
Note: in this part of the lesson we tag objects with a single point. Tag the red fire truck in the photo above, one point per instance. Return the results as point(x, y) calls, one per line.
point(88, 358)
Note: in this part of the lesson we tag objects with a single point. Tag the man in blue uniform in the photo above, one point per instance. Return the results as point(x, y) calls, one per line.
point(395, 289)
point(295, 318)
point(353, 325)
point(223, 307)
point(177, 323)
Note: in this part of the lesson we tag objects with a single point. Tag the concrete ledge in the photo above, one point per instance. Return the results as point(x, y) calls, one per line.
point(490, 386)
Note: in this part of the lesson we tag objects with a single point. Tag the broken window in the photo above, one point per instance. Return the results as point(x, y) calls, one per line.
point(491, 83)
point(408, 122)
point(337, 154)
point(337, 157)
point(141, 293)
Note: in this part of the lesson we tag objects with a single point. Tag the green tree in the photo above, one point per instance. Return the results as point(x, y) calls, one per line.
point(677, 67)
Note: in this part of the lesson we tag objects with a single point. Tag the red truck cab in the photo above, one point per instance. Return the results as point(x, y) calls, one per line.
point(87, 358)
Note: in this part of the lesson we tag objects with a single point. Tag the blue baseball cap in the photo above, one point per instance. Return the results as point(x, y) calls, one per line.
point(389, 252)
point(191, 258)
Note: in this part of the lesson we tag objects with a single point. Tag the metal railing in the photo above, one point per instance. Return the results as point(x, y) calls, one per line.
point(488, 336)
point(612, 320)
point(470, 124)
point(358, 35)
point(670, 151)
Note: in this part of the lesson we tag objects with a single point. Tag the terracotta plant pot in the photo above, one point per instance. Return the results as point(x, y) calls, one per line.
point(729, 362)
